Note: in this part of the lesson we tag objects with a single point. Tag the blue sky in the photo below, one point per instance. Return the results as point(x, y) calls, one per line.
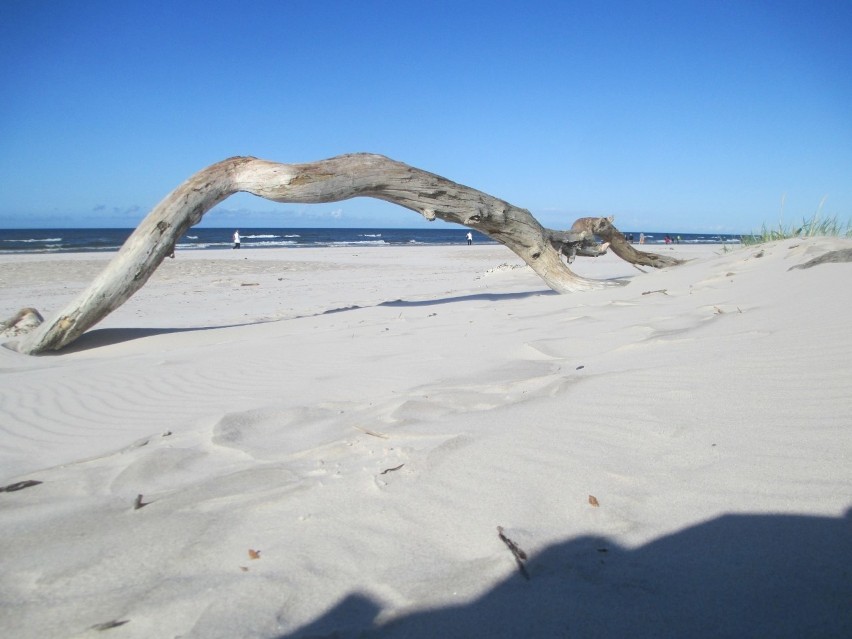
point(671, 116)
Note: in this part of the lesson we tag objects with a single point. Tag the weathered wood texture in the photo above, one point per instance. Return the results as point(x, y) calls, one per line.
point(618, 244)
point(841, 255)
point(331, 180)
point(23, 321)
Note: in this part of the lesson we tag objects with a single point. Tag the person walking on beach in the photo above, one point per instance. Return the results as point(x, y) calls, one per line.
point(469, 238)
point(237, 239)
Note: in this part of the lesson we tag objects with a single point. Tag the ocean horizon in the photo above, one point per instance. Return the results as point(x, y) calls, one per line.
point(90, 240)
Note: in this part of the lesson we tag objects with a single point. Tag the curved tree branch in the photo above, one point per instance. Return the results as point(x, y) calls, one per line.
point(331, 180)
point(603, 228)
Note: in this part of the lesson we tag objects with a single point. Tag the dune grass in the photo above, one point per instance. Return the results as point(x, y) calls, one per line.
point(815, 226)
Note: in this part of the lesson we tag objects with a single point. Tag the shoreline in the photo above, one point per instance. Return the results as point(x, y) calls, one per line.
point(25, 241)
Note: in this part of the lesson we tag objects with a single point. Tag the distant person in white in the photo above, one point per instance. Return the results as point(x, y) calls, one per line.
point(237, 238)
point(469, 238)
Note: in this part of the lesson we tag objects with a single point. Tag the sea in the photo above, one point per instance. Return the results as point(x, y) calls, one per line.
point(72, 240)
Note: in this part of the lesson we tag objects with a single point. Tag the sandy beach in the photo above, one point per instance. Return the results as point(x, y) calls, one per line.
point(278, 443)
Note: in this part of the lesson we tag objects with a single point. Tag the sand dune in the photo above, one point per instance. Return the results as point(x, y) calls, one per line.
point(326, 440)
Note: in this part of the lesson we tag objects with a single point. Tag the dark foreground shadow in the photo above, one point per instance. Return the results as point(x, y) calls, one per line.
point(767, 576)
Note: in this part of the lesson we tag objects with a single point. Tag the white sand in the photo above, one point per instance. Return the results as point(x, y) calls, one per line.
point(369, 454)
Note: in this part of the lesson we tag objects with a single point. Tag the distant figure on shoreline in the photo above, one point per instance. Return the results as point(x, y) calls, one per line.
point(469, 238)
point(237, 239)
point(641, 238)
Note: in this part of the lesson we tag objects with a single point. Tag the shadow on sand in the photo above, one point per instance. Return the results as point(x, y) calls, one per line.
point(476, 297)
point(100, 337)
point(735, 576)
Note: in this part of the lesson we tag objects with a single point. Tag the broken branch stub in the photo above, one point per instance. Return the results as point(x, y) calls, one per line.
point(621, 246)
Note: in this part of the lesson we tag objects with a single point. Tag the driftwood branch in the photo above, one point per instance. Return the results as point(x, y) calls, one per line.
point(841, 255)
point(621, 246)
point(331, 180)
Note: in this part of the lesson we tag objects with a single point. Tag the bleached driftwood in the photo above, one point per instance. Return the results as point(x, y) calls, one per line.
point(618, 244)
point(331, 180)
point(23, 321)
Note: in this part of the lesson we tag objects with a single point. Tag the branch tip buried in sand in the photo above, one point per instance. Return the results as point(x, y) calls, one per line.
point(520, 555)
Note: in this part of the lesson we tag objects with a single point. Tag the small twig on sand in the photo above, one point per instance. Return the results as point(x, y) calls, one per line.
point(390, 470)
point(20, 485)
point(109, 625)
point(520, 555)
point(139, 503)
point(373, 433)
point(660, 290)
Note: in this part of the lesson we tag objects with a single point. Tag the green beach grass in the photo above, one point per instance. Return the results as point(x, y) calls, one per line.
point(815, 226)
